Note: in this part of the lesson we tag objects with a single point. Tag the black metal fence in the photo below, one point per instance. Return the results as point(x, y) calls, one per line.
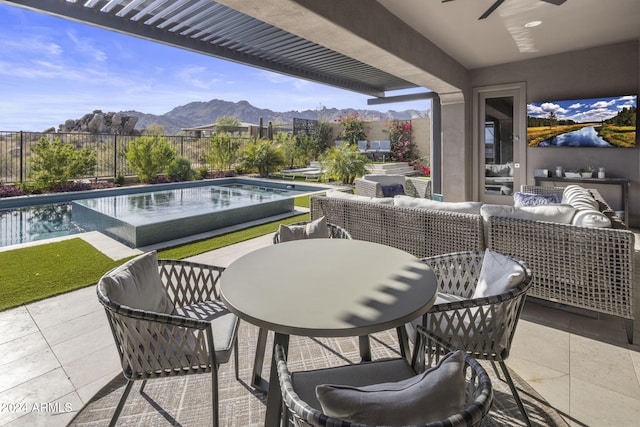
point(15, 152)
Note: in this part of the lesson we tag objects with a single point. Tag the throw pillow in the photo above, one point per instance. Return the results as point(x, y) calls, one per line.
point(392, 190)
point(137, 284)
point(528, 199)
point(498, 274)
point(348, 196)
point(461, 207)
point(591, 218)
point(431, 396)
point(579, 198)
point(312, 230)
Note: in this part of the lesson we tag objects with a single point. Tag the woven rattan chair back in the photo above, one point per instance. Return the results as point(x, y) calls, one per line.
point(483, 327)
point(335, 232)
point(157, 345)
point(429, 351)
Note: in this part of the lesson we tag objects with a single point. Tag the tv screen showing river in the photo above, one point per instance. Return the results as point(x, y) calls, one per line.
point(590, 122)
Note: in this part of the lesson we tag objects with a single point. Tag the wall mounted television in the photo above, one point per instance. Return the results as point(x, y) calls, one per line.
point(588, 122)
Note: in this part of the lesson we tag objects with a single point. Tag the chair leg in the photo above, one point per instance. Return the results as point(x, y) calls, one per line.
point(144, 383)
point(214, 395)
point(514, 391)
point(116, 414)
point(236, 359)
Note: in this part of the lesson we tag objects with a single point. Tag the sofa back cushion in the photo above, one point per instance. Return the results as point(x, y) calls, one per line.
point(460, 207)
point(562, 214)
point(342, 195)
point(385, 179)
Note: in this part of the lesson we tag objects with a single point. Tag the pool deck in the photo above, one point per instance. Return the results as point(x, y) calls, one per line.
point(59, 352)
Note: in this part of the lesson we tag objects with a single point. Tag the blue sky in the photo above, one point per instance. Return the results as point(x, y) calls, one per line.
point(582, 110)
point(53, 69)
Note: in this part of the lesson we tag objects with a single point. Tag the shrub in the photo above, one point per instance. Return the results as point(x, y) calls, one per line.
point(345, 163)
point(262, 156)
point(148, 156)
point(321, 136)
point(224, 151)
point(352, 129)
point(54, 163)
point(180, 170)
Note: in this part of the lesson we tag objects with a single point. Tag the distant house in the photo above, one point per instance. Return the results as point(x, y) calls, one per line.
point(245, 129)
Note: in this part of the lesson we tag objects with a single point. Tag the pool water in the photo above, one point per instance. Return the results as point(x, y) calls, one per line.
point(141, 219)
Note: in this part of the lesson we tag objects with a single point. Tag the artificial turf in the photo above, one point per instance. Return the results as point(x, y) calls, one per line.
point(38, 272)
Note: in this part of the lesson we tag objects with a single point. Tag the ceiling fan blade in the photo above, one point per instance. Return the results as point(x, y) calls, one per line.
point(556, 2)
point(491, 9)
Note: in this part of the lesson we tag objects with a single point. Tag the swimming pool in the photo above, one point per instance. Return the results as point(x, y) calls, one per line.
point(139, 217)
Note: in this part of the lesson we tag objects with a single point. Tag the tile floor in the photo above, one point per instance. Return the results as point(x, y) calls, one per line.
point(56, 353)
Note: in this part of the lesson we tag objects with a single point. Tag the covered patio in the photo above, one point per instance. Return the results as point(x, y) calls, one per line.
point(582, 366)
point(60, 350)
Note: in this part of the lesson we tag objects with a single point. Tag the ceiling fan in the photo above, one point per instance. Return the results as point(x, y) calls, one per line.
point(495, 5)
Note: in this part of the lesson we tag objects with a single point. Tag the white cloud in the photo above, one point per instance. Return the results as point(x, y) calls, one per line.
point(86, 46)
point(576, 106)
point(603, 104)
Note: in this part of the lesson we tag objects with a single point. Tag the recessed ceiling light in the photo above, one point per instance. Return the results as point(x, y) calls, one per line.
point(532, 24)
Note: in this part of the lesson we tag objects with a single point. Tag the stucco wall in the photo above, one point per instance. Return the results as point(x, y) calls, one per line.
point(378, 130)
point(612, 70)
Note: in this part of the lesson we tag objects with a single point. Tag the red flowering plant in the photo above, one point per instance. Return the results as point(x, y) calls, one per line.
point(422, 165)
point(401, 137)
point(352, 128)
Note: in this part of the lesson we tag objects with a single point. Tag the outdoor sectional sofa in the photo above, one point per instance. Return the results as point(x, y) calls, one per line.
point(586, 267)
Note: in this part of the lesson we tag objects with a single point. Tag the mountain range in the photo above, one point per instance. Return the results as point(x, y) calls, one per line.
point(196, 114)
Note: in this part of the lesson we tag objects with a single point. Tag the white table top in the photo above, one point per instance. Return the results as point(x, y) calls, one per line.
point(328, 287)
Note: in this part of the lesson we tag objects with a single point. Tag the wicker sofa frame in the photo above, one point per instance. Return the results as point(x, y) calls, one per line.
point(581, 267)
point(403, 227)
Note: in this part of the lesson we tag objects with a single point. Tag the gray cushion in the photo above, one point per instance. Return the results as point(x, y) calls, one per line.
point(312, 230)
point(461, 207)
point(431, 396)
point(224, 325)
point(137, 284)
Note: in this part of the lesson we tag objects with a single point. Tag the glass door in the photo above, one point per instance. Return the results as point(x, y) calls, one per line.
point(499, 152)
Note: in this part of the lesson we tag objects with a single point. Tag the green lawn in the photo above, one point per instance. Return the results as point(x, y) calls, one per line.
point(38, 272)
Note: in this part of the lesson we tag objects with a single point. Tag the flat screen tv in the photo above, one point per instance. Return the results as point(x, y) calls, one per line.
point(589, 122)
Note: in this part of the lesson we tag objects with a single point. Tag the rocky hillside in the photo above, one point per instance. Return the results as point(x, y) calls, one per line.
point(204, 113)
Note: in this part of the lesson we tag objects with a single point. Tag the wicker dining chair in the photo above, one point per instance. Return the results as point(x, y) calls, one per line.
point(470, 387)
point(334, 232)
point(483, 326)
point(167, 320)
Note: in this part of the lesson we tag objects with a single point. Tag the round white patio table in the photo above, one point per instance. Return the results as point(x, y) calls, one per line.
point(326, 288)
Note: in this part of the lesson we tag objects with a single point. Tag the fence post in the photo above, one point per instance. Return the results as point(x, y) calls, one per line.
point(115, 156)
point(22, 159)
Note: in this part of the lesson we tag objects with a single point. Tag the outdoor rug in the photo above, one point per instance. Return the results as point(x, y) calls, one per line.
point(185, 401)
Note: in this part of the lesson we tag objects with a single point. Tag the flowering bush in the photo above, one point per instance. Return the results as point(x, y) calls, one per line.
point(352, 128)
point(401, 137)
point(422, 165)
